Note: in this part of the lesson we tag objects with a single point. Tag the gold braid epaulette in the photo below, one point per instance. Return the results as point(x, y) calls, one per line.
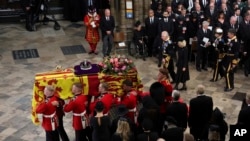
point(235, 61)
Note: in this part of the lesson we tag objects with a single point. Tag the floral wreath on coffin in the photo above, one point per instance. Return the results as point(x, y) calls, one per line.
point(117, 65)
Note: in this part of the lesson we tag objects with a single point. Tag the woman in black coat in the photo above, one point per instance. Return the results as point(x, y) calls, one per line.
point(182, 64)
point(100, 124)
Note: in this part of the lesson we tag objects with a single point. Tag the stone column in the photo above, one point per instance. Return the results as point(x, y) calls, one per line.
point(126, 24)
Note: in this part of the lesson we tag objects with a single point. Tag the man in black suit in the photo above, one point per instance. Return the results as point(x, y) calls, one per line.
point(107, 25)
point(244, 115)
point(200, 113)
point(171, 14)
point(233, 23)
point(175, 3)
point(244, 35)
point(178, 110)
point(166, 24)
point(226, 10)
point(211, 13)
point(203, 4)
point(204, 37)
point(200, 14)
point(151, 27)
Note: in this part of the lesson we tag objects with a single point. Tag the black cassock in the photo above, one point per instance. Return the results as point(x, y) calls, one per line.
point(182, 61)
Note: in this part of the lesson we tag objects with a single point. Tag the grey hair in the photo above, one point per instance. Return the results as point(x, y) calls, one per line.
point(205, 23)
point(176, 95)
point(200, 89)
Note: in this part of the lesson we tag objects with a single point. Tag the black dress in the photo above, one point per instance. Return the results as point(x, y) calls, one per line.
point(100, 132)
point(182, 62)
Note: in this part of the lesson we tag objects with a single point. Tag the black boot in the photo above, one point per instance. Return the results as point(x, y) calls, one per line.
point(184, 87)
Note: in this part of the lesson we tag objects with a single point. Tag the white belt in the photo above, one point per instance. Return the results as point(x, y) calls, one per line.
point(83, 119)
point(135, 114)
point(81, 114)
point(132, 110)
point(53, 122)
point(49, 116)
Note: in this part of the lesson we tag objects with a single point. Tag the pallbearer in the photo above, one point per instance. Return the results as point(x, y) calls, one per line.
point(48, 109)
point(105, 97)
point(78, 106)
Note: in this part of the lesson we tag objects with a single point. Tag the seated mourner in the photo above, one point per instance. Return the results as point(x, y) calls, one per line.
point(139, 37)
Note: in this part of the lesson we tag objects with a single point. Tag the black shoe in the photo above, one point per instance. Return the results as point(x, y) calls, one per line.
point(204, 69)
point(159, 65)
point(198, 69)
point(96, 53)
point(228, 89)
point(91, 52)
point(183, 89)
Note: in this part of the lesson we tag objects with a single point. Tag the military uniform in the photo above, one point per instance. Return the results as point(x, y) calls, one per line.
point(167, 49)
point(219, 45)
point(107, 99)
point(130, 101)
point(80, 119)
point(50, 120)
point(230, 59)
point(168, 95)
point(91, 21)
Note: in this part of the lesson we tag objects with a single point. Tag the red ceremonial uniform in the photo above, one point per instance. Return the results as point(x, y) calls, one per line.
point(107, 99)
point(92, 33)
point(130, 101)
point(78, 107)
point(50, 121)
point(168, 97)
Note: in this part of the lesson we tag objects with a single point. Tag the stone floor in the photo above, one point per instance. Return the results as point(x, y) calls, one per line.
point(17, 77)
